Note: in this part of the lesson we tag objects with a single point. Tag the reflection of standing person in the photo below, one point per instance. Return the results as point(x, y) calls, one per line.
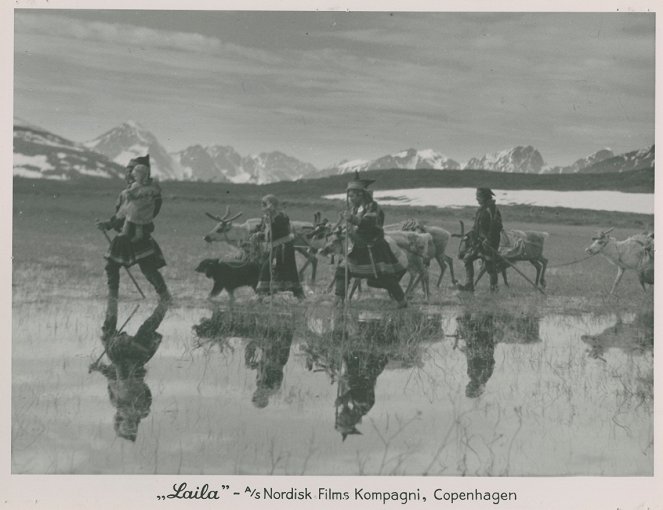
point(485, 241)
point(356, 388)
point(127, 390)
point(268, 357)
point(279, 271)
point(478, 331)
point(126, 252)
point(370, 257)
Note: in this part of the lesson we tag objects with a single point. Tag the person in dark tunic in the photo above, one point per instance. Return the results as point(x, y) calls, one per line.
point(485, 240)
point(478, 330)
point(127, 390)
point(278, 272)
point(125, 251)
point(370, 257)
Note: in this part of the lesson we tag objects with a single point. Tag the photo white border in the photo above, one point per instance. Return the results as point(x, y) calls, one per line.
point(141, 491)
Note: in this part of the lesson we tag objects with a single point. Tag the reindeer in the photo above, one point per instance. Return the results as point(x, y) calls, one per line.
point(412, 250)
point(309, 237)
point(515, 246)
point(635, 253)
point(440, 242)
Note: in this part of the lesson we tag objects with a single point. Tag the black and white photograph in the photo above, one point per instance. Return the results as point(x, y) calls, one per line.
point(345, 256)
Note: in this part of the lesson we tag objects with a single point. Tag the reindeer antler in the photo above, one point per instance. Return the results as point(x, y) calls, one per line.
point(228, 220)
point(224, 218)
point(215, 218)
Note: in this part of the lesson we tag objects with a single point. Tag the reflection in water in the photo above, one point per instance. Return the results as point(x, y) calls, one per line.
point(478, 331)
point(127, 390)
point(268, 356)
point(268, 349)
point(356, 388)
point(481, 331)
point(354, 353)
point(634, 337)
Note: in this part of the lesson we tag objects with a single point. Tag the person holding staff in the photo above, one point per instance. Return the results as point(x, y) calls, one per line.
point(278, 272)
point(370, 257)
point(487, 229)
point(127, 251)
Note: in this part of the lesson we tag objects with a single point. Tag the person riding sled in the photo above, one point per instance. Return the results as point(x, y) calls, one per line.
point(370, 257)
point(484, 241)
point(278, 272)
point(125, 250)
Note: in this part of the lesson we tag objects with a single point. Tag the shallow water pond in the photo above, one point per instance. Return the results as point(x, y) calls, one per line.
point(440, 392)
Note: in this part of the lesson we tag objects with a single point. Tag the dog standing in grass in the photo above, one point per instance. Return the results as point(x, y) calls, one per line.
point(229, 275)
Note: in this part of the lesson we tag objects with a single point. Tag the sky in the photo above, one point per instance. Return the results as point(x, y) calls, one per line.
point(331, 86)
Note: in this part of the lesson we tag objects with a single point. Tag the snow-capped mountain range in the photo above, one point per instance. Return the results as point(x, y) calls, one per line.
point(39, 153)
point(519, 159)
point(129, 140)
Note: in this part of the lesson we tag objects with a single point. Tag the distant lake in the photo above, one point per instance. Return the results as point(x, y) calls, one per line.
point(642, 203)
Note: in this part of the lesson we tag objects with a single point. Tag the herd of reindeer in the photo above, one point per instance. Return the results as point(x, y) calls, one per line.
point(415, 245)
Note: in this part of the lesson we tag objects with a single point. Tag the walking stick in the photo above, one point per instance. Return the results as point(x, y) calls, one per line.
point(126, 268)
point(346, 249)
point(268, 223)
point(117, 333)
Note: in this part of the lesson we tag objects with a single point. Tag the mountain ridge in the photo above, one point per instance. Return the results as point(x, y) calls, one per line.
point(109, 152)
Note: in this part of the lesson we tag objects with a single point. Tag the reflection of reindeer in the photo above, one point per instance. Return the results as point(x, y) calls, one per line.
point(127, 390)
point(633, 338)
point(268, 356)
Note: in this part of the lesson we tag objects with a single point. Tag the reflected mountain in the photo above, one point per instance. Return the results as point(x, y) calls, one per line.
point(633, 337)
point(127, 390)
point(481, 332)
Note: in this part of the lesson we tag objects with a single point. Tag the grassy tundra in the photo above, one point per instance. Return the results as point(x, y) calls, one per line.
point(58, 252)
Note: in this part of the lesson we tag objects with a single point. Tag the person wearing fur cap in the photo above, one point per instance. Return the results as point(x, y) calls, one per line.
point(370, 257)
point(126, 251)
point(485, 239)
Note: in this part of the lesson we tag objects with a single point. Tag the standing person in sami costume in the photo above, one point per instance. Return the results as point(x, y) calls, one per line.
point(127, 251)
point(279, 269)
point(486, 239)
point(370, 257)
